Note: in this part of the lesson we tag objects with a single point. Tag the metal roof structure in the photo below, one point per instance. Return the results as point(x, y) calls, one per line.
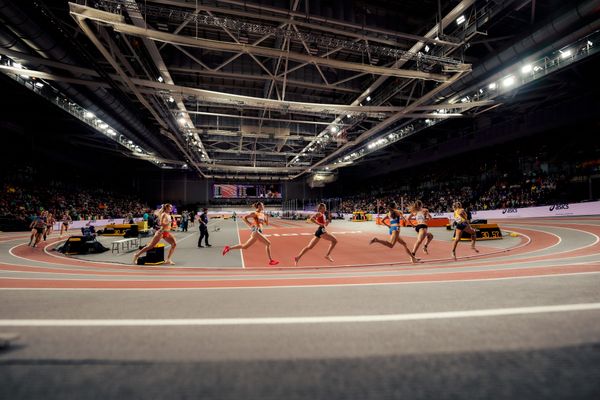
point(250, 90)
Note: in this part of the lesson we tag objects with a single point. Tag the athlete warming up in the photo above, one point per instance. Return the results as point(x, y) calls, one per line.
point(392, 221)
point(255, 221)
point(421, 215)
point(164, 232)
point(462, 225)
point(320, 219)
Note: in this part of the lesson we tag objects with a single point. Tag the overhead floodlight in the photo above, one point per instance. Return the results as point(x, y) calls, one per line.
point(391, 136)
point(89, 115)
point(111, 132)
point(160, 79)
point(565, 54)
point(526, 69)
point(171, 99)
point(460, 20)
point(181, 120)
point(508, 81)
point(39, 85)
point(103, 126)
point(333, 129)
point(492, 86)
point(130, 141)
point(426, 49)
point(17, 65)
point(348, 115)
point(589, 43)
point(368, 98)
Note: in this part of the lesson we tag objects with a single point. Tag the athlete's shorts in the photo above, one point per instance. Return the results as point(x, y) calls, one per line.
point(420, 226)
point(40, 230)
point(462, 226)
point(166, 234)
point(394, 228)
point(65, 223)
point(320, 231)
point(256, 229)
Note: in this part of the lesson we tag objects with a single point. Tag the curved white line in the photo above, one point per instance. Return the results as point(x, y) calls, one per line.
point(325, 286)
point(329, 319)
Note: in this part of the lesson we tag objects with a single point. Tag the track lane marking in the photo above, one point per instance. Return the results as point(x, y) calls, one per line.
point(329, 319)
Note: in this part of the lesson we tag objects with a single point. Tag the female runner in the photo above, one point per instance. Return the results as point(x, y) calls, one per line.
point(421, 215)
point(259, 219)
point(49, 225)
point(66, 220)
point(394, 216)
point(164, 219)
point(462, 225)
point(319, 219)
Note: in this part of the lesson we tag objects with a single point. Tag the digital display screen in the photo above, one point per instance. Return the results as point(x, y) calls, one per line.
point(242, 191)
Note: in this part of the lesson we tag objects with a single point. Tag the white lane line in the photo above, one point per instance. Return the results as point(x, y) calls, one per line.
point(237, 229)
point(476, 281)
point(332, 319)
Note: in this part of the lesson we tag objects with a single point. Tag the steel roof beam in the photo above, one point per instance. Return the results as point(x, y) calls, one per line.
point(118, 24)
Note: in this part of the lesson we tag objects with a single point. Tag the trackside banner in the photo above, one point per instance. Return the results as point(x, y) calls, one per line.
point(551, 210)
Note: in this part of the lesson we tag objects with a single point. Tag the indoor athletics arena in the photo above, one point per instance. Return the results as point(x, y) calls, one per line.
point(300, 199)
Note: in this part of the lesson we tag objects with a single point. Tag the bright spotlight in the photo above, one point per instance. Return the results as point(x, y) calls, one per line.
point(565, 54)
point(526, 69)
point(181, 120)
point(426, 49)
point(508, 81)
point(460, 20)
point(88, 115)
point(160, 79)
point(333, 129)
point(368, 98)
point(492, 85)
point(39, 85)
point(348, 115)
point(171, 99)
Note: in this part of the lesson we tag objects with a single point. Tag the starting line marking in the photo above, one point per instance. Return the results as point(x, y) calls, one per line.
point(494, 312)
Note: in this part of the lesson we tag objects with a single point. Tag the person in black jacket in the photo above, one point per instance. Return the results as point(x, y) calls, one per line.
point(203, 222)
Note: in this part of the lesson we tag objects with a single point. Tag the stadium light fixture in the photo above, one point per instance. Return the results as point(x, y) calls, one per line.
point(426, 49)
point(348, 115)
point(39, 85)
point(565, 54)
point(526, 69)
point(88, 115)
point(492, 86)
point(460, 20)
point(333, 129)
point(368, 98)
point(181, 120)
point(171, 99)
point(508, 81)
point(160, 79)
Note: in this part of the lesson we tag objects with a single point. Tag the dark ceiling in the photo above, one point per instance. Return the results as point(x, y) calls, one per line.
point(223, 136)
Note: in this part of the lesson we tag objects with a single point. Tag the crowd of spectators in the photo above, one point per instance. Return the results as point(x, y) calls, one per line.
point(531, 190)
point(20, 202)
